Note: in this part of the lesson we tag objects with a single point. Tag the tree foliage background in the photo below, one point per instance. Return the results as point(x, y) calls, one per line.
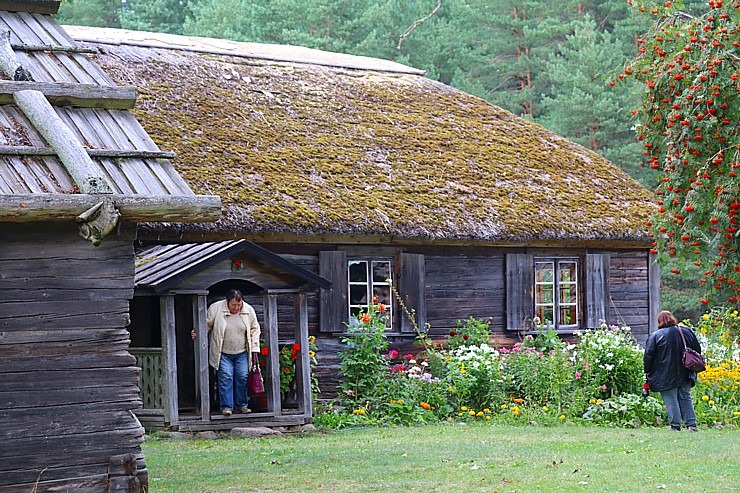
point(550, 62)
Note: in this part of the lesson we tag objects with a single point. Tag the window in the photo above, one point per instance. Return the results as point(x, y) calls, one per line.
point(556, 292)
point(367, 279)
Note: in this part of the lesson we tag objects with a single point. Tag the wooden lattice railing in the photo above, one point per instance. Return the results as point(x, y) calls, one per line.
point(151, 379)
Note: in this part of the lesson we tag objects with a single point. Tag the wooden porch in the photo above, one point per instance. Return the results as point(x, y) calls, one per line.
point(181, 300)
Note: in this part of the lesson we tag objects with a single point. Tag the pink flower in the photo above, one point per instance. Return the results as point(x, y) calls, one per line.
point(504, 350)
point(603, 387)
point(578, 374)
point(408, 356)
point(392, 354)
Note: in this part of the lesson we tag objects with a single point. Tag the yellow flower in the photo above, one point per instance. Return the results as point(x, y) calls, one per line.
point(562, 416)
point(711, 403)
point(463, 408)
point(592, 401)
point(471, 412)
point(736, 414)
point(311, 354)
point(599, 401)
point(488, 418)
point(705, 316)
point(504, 406)
point(312, 339)
point(545, 408)
point(400, 401)
point(705, 398)
point(393, 401)
point(463, 371)
point(459, 414)
point(479, 413)
point(486, 410)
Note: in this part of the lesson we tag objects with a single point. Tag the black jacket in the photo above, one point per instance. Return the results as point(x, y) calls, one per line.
point(662, 360)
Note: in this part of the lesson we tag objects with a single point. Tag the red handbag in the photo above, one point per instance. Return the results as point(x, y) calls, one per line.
point(255, 384)
point(690, 358)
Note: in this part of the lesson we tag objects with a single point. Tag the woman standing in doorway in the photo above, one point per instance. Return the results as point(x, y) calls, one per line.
point(666, 374)
point(234, 344)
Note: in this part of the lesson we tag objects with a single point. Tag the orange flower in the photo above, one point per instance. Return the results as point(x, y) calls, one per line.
point(425, 405)
point(518, 400)
point(365, 318)
point(381, 307)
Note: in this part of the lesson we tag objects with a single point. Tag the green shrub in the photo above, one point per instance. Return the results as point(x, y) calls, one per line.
point(362, 362)
point(627, 410)
point(472, 332)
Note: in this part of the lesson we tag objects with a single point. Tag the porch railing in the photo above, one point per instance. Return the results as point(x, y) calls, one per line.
point(151, 378)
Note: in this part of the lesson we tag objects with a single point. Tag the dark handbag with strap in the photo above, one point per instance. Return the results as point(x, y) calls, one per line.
point(255, 384)
point(690, 358)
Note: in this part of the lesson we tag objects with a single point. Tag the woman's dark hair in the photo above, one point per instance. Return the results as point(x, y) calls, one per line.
point(234, 294)
point(666, 319)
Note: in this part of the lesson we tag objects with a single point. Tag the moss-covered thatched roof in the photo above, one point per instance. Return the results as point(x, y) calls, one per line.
point(311, 148)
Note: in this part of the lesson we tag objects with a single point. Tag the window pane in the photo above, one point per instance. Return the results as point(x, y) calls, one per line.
point(383, 292)
point(544, 272)
point(567, 271)
point(381, 271)
point(568, 294)
point(545, 314)
point(568, 315)
point(543, 295)
point(358, 271)
point(358, 294)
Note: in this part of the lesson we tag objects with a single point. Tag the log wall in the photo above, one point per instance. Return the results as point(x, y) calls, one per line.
point(67, 382)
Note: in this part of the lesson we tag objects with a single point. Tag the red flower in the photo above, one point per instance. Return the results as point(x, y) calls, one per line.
point(375, 299)
point(296, 347)
point(264, 351)
point(365, 318)
point(381, 307)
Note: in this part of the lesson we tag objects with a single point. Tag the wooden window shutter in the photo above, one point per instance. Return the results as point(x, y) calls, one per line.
point(597, 289)
point(334, 311)
point(411, 287)
point(519, 290)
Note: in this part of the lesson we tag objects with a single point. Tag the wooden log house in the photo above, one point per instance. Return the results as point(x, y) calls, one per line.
point(361, 170)
point(77, 172)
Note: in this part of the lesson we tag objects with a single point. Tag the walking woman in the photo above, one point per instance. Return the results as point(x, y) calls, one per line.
point(666, 374)
point(234, 344)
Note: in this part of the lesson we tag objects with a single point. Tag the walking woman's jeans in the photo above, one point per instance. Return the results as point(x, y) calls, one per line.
point(679, 406)
point(232, 375)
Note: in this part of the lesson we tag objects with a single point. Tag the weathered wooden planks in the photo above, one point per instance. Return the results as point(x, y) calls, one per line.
point(67, 383)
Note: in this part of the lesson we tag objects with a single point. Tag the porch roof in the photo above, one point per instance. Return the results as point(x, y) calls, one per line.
point(165, 266)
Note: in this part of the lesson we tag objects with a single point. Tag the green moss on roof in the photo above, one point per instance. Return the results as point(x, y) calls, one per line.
point(310, 149)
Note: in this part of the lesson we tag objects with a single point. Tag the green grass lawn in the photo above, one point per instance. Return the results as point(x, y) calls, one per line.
point(455, 459)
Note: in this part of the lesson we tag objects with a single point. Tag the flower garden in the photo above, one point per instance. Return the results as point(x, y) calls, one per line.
point(540, 380)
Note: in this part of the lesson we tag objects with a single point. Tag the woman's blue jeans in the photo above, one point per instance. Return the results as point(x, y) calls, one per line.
point(679, 406)
point(232, 380)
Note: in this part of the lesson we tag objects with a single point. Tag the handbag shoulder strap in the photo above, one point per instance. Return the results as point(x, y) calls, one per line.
point(682, 337)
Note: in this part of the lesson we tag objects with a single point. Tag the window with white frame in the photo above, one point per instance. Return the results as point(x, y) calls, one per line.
point(368, 279)
point(556, 292)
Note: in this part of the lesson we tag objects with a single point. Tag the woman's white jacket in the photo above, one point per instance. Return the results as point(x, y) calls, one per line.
point(217, 327)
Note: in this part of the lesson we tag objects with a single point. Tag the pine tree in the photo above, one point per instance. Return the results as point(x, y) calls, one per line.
point(97, 13)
